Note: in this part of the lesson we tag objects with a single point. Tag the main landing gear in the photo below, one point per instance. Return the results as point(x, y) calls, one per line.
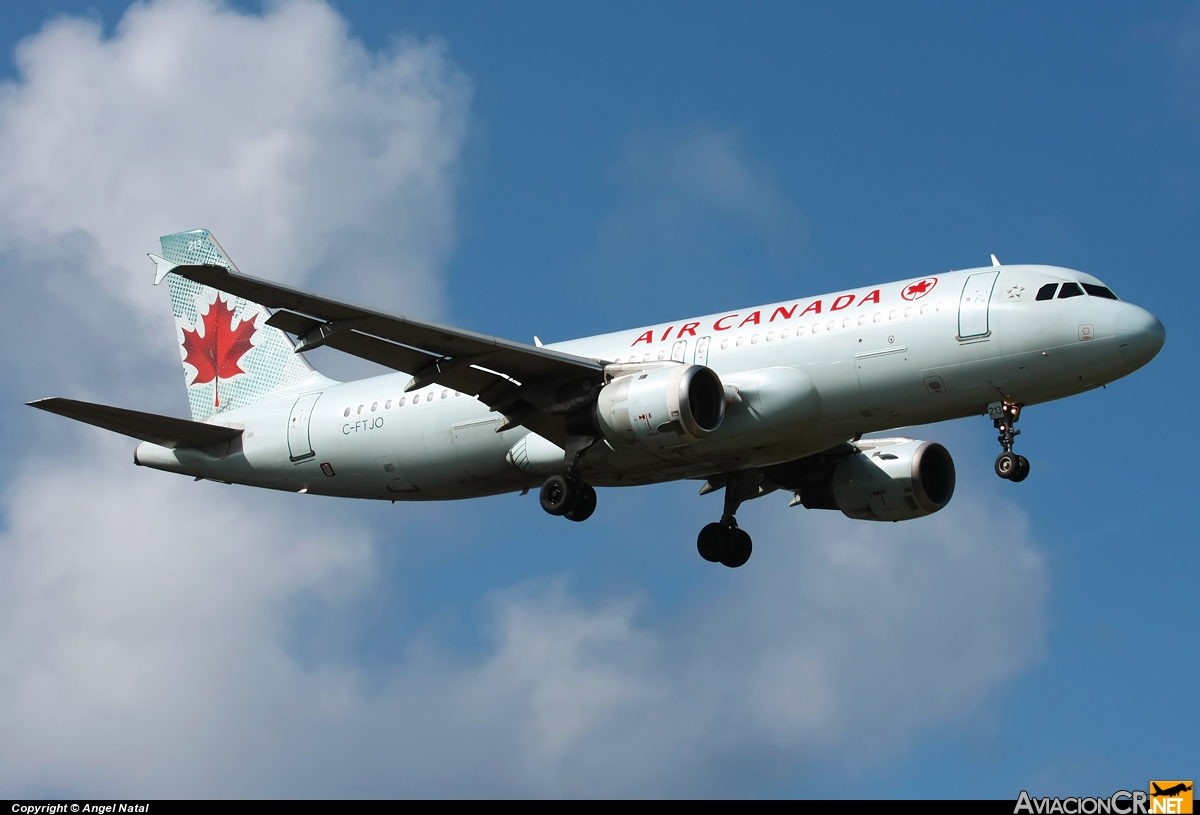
point(723, 542)
point(569, 496)
point(1008, 464)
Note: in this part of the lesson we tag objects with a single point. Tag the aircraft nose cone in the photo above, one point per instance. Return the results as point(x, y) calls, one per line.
point(1139, 335)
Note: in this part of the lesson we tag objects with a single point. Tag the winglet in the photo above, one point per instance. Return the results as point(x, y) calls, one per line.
point(536, 341)
point(162, 267)
point(995, 261)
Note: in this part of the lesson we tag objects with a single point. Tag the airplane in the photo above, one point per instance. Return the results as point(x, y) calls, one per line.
point(1169, 792)
point(752, 401)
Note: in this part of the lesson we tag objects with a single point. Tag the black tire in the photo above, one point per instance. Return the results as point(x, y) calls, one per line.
point(558, 495)
point(1022, 470)
point(739, 549)
point(712, 542)
point(1007, 465)
point(585, 504)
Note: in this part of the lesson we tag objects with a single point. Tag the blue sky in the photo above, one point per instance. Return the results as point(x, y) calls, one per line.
point(560, 170)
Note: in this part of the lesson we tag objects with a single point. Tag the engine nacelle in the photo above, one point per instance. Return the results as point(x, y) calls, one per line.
point(894, 483)
point(662, 407)
point(886, 480)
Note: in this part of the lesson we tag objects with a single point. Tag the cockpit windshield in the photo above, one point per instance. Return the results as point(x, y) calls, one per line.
point(1099, 291)
point(1072, 289)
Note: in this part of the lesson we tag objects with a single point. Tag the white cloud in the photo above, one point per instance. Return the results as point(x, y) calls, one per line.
point(304, 153)
point(145, 653)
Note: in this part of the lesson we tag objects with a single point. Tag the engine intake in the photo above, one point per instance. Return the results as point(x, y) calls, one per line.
point(663, 407)
point(884, 480)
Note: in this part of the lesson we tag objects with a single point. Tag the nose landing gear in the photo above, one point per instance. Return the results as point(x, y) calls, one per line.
point(1009, 465)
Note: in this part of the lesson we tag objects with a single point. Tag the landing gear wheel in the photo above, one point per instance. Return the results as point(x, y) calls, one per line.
point(558, 495)
point(585, 504)
point(738, 549)
point(711, 542)
point(722, 542)
point(1022, 470)
point(1007, 466)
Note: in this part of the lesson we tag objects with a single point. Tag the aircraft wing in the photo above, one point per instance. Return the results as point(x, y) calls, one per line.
point(166, 431)
point(530, 385)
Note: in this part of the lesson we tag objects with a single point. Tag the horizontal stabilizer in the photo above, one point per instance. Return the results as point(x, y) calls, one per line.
point(165, 431)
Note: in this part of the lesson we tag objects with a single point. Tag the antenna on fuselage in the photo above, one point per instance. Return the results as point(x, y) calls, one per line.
point(996, 261)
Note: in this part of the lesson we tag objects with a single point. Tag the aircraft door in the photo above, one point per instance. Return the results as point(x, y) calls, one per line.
point(702, 351)
point(299, 445)
point(678, 350)
point(973, 305)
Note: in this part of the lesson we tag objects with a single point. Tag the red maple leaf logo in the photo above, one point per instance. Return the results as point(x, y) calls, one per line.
point(919, 289)
point(216, 355)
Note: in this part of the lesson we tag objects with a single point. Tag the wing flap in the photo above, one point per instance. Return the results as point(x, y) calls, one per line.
point(165, 431)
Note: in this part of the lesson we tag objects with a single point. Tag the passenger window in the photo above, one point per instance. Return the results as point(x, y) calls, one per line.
point(1099, 291)
point(360, 409)
point(374, 406)
point(1046, 292)
point(401, 402)
point(387, 405)
point(347, 413)
point(1070, 290)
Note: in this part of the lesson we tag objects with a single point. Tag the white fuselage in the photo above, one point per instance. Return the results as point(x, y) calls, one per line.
point(806, 374)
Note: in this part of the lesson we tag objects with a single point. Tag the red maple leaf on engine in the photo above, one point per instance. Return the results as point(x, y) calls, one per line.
point(216, 354)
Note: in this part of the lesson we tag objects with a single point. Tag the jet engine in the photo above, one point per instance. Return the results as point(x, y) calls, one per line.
point(662, 407)
point(881, 480)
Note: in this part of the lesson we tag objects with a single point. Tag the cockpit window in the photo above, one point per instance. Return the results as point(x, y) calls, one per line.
point(1099, 291)
point(1070, 290)
point(1046, 292)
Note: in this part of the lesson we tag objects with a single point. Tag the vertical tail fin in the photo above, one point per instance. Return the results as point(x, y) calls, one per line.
point(231, 358)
